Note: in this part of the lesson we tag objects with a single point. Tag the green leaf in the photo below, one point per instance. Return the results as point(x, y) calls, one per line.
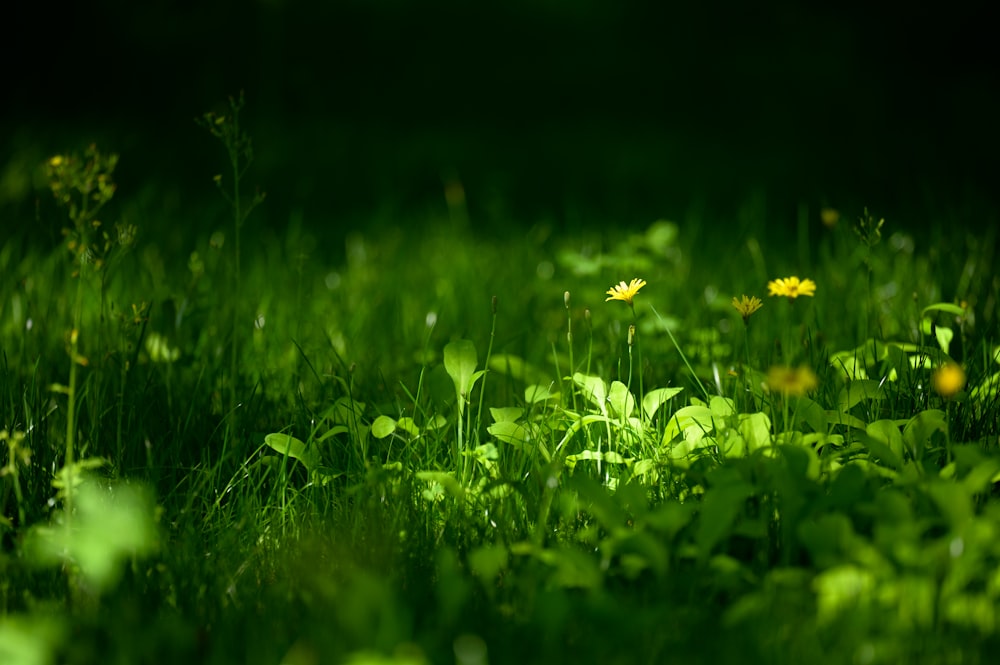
point(722, 407)
point(881, 451)
point(946, 307)
point(719, 509)
point(835, 417)
point(920, 429)
point(510, 432)
point(756, 430)
point(654, 399)
point(621, 400)
point(536, 393)
point(886, 433)
point(944, 336)
point(506, 413)
point(809, 413)
point(407, 425)
point(110, 526)
point(594, 389)
point(382, 427)
point(857, 391)
point(294, 448)
point(693, 421)
point(460, 362)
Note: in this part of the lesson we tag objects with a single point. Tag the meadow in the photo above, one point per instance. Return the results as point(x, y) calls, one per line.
point(439, 444)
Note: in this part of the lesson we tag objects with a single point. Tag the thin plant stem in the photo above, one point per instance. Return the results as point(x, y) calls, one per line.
point(677, 346)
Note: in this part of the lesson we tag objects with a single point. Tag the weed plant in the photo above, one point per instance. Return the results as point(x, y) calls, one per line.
point(452, 448)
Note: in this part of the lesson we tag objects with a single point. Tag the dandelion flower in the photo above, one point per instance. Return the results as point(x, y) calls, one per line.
point(747, 306)
point(791, 287)
point(830, 217)
point(948, 380)
point(625, 292)
point(791, 380)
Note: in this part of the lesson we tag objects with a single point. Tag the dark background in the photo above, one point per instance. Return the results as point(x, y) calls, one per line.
point(573, 111)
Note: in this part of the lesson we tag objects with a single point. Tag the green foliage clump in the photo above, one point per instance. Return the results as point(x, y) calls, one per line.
point(444, 447)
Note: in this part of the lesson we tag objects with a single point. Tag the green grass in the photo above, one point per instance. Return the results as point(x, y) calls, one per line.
point(430, 445)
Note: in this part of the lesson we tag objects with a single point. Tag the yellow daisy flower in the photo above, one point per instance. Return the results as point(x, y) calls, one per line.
point(747, 306)
point(791, 287)
point(625, 292)
point(791, 380)
point(948, 380)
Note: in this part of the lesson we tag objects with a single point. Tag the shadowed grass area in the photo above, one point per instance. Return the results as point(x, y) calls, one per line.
point(435, 444)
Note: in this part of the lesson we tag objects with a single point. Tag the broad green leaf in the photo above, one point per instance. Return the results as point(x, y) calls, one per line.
point(836, 417)
point(887, 432)
point(810, 413)
point(946, 307)
point(510, 432)
point(720, 507)
point(722, 407)
point(437, 422)
point(594, 389)
point(110, 527)
point(731, 443)
point(921, 428)
point(857, 391)
point(882, 451)
point(407, 425)
point(536, 393)
point(383, 426)
point(943, 334)
point(654, 399)
point(756, 430)
point(506, 413)
point(294, 448)
point(621, 400)
point(944, 337)
point(693, 421)
point(460, 362)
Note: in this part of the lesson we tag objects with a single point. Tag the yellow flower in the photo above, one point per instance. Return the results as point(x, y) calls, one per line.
point(791, 380)
point(791, 287)
point(56, 161)
point(747, 306)
point(948, 380)
point(625, 292)
point(830, 217)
